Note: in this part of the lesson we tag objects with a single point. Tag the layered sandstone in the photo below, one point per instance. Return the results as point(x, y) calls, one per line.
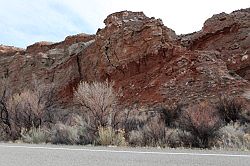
point(148, 62)
point(228, 34)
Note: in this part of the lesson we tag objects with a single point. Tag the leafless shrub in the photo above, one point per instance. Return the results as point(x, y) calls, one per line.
point(5, 126)
point(98, 100)
point(171, 115)
point(4, 114)
point(230, 109)
point(145, 129)
point(134, 119)
point(202, 122)
point(26, 109)
point(46, 94)
point(154, 132)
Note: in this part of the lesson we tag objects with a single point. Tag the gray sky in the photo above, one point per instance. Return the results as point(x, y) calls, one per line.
point(24, 22)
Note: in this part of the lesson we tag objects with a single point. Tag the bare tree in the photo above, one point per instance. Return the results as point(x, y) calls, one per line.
point(4, 114)
point(26, 109)
point(48, 96)
point(98, 100)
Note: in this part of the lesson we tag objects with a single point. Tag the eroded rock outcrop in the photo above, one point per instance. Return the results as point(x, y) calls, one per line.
point(148, 62)
point(229, 34)
point(9, 50)
point(56, 63)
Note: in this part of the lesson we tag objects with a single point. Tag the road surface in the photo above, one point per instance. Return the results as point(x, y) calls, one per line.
point(55, 155)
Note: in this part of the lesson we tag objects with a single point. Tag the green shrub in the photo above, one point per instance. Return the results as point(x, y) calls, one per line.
point(135, 119)
point(4, 133)
point(232, 136)
point(63, 134)
point(35, 135)
point(136, 138)
point(86, 135)
point(178, 138)
point(75, 130)
point(108, 136)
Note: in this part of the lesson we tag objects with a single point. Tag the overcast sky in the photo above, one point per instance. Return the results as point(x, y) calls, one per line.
point(23, 22)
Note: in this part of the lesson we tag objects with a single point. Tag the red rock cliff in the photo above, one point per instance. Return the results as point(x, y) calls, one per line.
point(148, 62)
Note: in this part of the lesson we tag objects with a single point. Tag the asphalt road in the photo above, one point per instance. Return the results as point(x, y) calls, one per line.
point(52, 155)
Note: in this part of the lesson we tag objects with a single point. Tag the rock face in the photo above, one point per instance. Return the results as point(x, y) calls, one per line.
point(148, 62)
point(229, 34)
point(9, 50)
point(56, 63)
